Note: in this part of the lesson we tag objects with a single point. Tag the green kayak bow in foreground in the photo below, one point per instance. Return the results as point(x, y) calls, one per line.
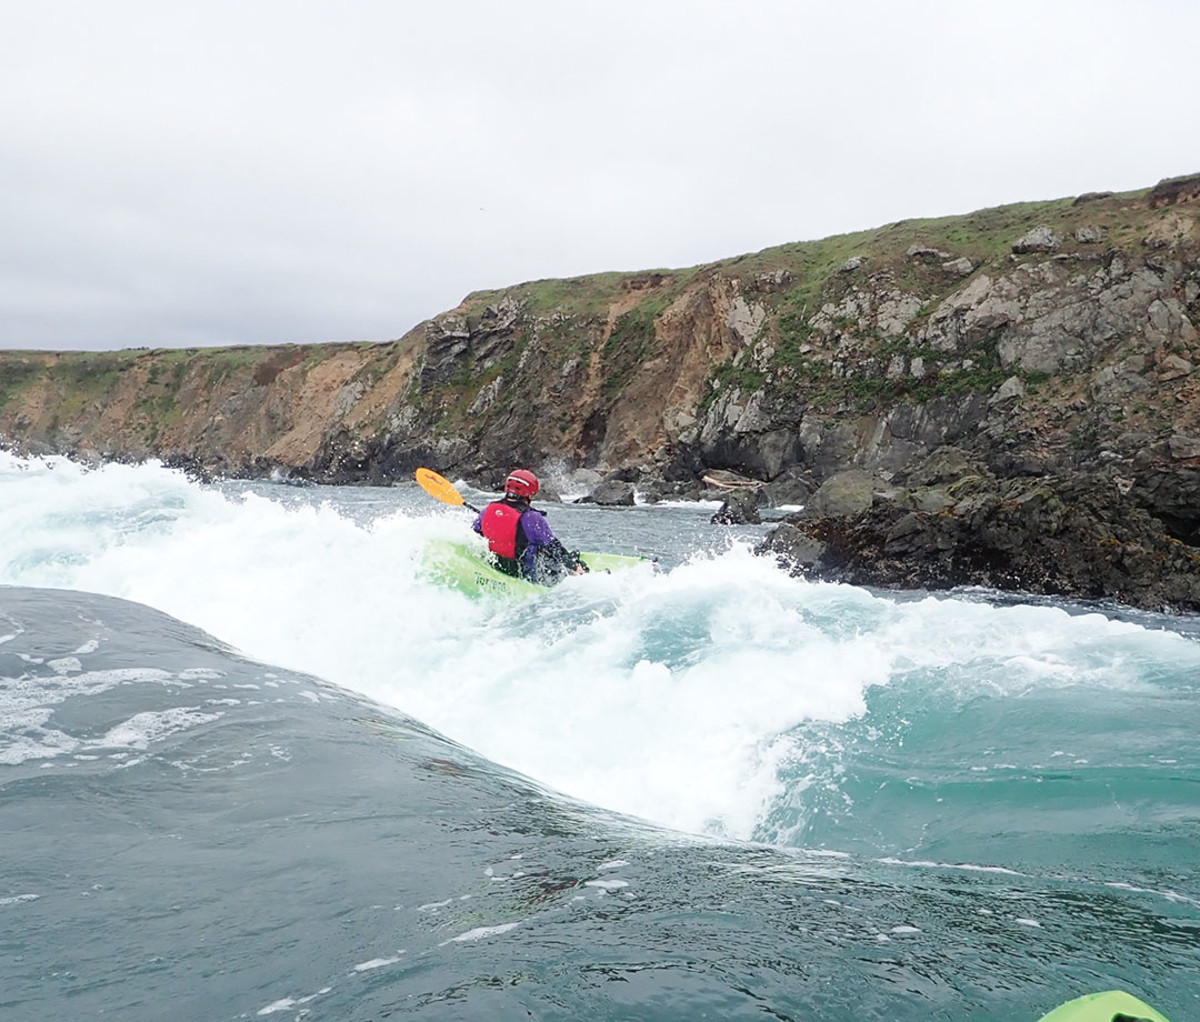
point(1110, 1006)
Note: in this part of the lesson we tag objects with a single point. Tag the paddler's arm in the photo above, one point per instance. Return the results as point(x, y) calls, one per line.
point(542, 539)
point(539, 542)
point(569, 559)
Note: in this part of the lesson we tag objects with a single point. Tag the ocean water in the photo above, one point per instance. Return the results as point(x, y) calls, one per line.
point(254, 762)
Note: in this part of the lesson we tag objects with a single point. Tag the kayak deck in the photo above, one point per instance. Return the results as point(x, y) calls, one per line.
point(1104, 1007)
point(471, 571)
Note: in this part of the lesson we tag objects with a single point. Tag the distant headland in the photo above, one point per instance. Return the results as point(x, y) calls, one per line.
point(1007, 398)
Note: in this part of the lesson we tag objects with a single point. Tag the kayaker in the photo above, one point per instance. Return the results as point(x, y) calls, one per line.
point(520, 537)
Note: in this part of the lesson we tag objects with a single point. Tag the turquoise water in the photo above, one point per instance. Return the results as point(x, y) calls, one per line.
point(253, 762)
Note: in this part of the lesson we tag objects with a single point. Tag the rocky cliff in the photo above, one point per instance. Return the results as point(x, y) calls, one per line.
point(1039, 339)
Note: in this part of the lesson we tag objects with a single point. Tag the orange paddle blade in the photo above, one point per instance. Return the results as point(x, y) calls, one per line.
point(438, 487)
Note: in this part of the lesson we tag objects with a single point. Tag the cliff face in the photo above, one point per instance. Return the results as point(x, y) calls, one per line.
point(1040, 338)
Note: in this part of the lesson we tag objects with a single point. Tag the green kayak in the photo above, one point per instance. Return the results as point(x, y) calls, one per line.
point(1110, 1006)
point(471, 571)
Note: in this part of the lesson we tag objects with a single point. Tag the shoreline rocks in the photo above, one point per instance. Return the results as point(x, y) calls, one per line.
point(933, 391)
point(1073, 537)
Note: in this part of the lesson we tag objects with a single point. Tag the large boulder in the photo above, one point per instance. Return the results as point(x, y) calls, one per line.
point(1040, 239)
point(656, 490)
point(794, 549)
point(1173, 190)
point(793, 487)
point(847, 493)
point(1075, 537)
point(945, 465)
point(740, 508)
point(611, 493)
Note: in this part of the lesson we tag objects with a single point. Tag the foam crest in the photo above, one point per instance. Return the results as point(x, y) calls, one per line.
point(142, 729)
point(665, 696)
point(297, 586)
point(682, 695)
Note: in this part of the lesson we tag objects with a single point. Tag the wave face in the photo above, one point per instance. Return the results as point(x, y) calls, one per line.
point(953, 804)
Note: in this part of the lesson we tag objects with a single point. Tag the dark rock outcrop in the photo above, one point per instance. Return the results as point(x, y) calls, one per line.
point(611, 493)
point(792, 486)
point(1173, 190)
point(846, 493)
point(1040, 239)
point(740, 508)
point(1074, 536)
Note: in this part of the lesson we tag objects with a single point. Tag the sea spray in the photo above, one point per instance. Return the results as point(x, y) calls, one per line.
point(710, 693)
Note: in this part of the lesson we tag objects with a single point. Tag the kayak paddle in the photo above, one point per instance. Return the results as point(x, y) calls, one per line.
point(440, 488)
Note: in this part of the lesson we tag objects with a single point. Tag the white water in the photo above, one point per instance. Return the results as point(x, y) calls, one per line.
point(668, 694)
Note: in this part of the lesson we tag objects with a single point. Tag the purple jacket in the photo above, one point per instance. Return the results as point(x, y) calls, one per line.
point(533, 533)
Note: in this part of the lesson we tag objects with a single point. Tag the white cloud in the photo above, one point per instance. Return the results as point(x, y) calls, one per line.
point(195, 173)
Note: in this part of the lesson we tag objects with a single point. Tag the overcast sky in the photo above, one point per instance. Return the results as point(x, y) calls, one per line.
point(262, 171)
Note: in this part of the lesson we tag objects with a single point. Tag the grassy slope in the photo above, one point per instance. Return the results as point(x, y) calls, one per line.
point(572, 318)
point(812, 280)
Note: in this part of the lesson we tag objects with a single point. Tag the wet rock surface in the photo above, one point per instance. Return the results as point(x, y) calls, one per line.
point(611, 493)
point(1074, 536)
point(739, 508)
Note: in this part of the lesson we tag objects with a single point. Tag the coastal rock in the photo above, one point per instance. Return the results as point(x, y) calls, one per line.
point(1172, 230)
point(1118, 384)
point(794, 549)
point(1172, 190)
point(1040, 239)
point(611, 493)
point(1184, 447)
point(653, 491)
point(1172, 367)
point(846, 493)
point(793, 487)
point(927, 252)
point(1011, 389)
point(740, 508)
point(895, 312)
point(487, 396)
point(1170, 490)
point(1073, 537)
point(944, 465)
point(750, 434)
point(772, 281)
point(448, 340)
point(930, 498)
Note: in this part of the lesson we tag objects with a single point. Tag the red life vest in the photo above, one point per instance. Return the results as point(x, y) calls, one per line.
point(499, 526)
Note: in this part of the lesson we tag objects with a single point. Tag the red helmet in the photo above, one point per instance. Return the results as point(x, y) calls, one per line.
point(521, 483)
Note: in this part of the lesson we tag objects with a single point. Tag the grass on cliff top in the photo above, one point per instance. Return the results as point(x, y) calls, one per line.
point(587, 297)
point(80, 376)
point(91, 371)
point(984, 236)
point(583, 294)
point(17, 373)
